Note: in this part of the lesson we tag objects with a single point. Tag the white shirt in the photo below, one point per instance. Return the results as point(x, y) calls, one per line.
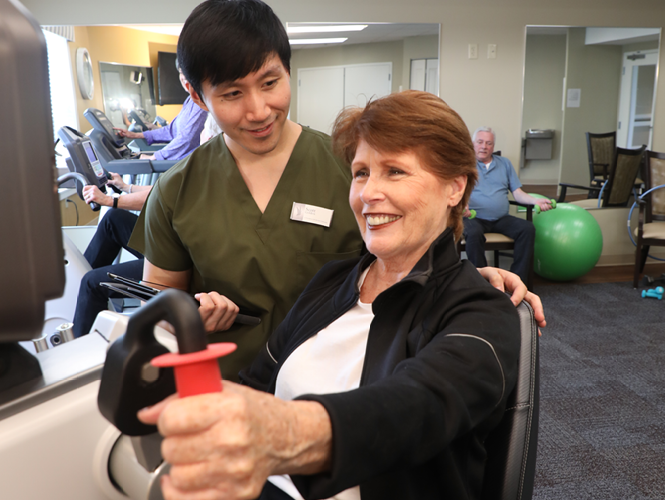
point(329, 362)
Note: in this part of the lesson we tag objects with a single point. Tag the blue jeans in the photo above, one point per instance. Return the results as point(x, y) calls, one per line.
point(112, 235)
point(520, 230)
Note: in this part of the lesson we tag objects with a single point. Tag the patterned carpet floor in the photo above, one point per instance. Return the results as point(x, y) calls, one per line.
point(602, 414)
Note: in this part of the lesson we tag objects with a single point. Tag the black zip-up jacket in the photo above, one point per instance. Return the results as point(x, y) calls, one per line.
point(441, 360)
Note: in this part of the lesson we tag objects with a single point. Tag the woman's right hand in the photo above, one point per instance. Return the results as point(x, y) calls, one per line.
point(217, 312)
point(226, 444)
point(92, 193)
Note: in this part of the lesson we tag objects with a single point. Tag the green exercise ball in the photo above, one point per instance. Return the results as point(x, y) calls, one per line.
point(568, 242)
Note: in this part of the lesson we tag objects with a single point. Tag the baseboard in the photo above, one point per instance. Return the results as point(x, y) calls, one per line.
point(624, 260)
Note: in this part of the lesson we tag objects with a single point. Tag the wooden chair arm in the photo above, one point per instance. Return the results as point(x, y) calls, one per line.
point(529, 208)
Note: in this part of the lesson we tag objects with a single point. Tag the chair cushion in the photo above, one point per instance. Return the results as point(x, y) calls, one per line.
point(653, 230)
point(497, 238)
point(493, 238)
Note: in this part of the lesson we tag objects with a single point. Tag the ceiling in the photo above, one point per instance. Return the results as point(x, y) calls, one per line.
point(374, 33)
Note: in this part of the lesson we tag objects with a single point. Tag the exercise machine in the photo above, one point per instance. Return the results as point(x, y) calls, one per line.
point(54, 443)
point(114, 154)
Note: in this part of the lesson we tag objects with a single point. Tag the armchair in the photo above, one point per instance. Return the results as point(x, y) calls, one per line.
point(601, 149)
point(620, 184)
point(651, 222)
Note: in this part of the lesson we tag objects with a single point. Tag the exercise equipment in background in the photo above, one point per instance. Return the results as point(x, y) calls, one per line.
point(568, 243)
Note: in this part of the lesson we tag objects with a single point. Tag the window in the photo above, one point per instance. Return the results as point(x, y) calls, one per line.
point(63, 99)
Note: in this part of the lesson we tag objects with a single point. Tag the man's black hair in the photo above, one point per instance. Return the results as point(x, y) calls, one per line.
point(224, 40)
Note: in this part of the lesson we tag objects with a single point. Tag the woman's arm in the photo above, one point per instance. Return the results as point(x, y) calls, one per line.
point(230, 442)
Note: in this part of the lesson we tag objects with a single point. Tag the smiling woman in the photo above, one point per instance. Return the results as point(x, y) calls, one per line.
point(408, 362)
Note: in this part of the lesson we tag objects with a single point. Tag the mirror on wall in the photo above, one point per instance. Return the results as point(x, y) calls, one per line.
point(578, 80)
point(334, 65)
point(127, 88)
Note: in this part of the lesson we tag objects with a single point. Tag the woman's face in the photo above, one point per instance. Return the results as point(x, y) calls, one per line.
point(401, 208)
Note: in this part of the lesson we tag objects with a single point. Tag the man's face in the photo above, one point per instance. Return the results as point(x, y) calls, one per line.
point(484, 146)
point(252, 110)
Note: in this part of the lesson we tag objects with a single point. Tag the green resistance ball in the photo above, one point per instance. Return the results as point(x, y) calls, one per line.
point(568, 242)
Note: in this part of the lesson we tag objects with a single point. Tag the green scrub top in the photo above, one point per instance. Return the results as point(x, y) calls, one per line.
point(200, 215)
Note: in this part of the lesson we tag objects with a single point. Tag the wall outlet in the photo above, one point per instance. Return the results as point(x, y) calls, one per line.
point(491, 51)
point(473, 51)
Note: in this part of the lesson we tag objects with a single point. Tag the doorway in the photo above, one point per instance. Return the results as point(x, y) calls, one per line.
point(637, 99)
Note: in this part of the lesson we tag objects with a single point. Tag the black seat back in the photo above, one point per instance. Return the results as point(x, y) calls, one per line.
point(512, 445)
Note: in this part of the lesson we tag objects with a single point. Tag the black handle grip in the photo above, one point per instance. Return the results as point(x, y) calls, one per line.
point(116, 189)
point(123, 390)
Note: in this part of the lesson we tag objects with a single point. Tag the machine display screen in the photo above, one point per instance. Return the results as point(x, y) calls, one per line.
point(94, 162)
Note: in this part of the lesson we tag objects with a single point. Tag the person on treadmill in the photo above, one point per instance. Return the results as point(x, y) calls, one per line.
point(182, 134)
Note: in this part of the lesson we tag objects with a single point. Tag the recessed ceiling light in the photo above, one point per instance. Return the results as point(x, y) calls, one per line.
point(310, 41)
point(328, 28)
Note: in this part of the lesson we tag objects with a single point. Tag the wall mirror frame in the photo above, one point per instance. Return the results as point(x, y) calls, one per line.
point(583, 79)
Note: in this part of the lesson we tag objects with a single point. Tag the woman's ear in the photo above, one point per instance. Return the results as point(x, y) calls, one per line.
point(457, 186)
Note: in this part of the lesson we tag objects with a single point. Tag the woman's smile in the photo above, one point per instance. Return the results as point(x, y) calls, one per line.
point(375, 220)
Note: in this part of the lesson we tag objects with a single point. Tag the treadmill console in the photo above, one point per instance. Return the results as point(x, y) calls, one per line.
point(82, 158)
point(102, 124)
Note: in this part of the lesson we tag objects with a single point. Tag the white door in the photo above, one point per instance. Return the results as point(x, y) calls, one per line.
point(324, 92)
point(418, 72)
point(320, 96)
point(636, 100)
point(366, 81)
point(425, 75)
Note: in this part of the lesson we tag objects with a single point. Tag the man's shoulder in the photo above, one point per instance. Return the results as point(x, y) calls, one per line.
point(502, 161)
point(315, 141)
point(200, 160)
point(315, 148)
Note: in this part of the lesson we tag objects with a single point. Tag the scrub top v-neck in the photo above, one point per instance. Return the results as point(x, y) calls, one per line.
point(201, 216)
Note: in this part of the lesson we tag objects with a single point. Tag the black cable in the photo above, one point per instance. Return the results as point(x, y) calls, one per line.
point(76, 208)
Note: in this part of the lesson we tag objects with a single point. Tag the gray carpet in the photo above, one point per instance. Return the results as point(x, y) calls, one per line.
point(602, 414)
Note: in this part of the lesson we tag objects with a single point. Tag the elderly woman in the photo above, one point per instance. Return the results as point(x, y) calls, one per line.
point(391, 369)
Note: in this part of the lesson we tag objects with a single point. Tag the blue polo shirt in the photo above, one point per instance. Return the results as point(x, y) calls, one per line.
point(490, 196)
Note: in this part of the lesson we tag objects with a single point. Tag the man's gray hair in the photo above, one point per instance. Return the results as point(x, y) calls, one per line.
point(483, 129)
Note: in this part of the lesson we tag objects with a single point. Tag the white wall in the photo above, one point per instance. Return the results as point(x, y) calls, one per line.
point(544, 71)
point(482, 91)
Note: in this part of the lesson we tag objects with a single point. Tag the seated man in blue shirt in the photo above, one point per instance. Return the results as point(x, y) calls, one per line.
point(496, 178)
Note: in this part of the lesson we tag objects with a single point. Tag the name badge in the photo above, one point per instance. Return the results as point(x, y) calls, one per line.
point(311, 214)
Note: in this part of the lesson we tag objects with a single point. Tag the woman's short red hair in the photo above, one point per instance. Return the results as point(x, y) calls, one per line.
point(413, 121)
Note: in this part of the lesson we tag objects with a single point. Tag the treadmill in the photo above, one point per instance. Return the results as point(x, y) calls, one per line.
point(113, 153)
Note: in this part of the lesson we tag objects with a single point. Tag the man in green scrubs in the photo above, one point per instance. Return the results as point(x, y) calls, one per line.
point(223, 220)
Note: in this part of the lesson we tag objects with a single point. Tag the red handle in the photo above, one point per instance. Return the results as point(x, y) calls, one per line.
point(196, 372)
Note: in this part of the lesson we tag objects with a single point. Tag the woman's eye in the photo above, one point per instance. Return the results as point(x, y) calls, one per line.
point(396, 171)
point(360, 174)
